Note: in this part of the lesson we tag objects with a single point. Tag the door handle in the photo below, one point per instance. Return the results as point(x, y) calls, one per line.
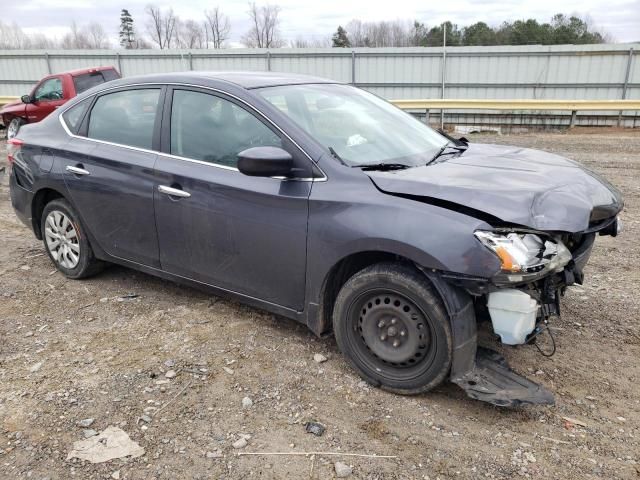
point(173, 192)
point(77, 170)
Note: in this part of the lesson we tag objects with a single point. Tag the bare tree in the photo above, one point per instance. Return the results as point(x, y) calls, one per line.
point(12, 37)
point(217, 25)
point(76, 38)
point(264, 31)
point(96, 36)
point(189, 34)
point(313, 42)
point(161, 25)
point(397, 33)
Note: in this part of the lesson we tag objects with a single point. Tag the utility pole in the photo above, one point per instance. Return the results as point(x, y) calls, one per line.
point(444, 67)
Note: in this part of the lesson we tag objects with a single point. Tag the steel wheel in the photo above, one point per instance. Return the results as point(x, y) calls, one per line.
point(392, 334)
point(62, 239)
point(392, 327)
point(14, 127)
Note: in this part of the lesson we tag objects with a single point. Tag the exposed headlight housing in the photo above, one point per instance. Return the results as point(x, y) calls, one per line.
point(525, 255)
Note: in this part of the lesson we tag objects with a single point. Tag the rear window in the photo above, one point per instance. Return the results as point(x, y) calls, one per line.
point(73, 117)
point(87, 80)
point(125, 118)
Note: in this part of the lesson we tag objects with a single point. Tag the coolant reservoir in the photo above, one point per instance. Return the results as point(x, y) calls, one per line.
point(513, 315)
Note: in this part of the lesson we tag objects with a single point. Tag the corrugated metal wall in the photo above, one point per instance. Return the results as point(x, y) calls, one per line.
point(590, 72)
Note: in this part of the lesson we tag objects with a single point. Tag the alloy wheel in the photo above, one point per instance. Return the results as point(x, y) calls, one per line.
point(62, 239)
point(12, 129)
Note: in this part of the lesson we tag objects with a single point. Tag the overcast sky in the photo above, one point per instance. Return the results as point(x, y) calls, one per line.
point(317, 18)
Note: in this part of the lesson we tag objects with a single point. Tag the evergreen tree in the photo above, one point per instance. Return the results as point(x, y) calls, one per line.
point(126, 29)
point(340, 38)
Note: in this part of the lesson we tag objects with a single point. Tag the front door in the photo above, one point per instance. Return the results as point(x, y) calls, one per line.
point(108, 169)
point(216, 225)
point(47, 96)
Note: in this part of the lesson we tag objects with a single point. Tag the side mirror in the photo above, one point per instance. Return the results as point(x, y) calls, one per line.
point(26, 99)
point(265, 162)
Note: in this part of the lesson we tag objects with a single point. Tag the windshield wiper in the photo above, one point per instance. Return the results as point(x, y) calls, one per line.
point(455, 149)
point(335, 155)
point(382, 166)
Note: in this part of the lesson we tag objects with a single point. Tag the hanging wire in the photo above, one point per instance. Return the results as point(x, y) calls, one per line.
point(553, 341)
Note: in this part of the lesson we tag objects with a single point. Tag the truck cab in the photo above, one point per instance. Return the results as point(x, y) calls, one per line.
point(50, 93)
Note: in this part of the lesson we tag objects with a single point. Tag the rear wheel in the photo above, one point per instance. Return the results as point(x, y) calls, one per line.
point(66, 242)
point(393, 328)
point(14, 127)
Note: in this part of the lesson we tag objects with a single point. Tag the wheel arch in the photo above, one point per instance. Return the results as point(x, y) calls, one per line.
point(338, 275)
point(458, 303)
point(40, 200)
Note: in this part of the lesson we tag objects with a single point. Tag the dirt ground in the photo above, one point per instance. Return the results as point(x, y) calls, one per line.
point(73, 350)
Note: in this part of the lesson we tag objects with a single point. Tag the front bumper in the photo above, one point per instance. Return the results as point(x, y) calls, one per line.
point(484, 374)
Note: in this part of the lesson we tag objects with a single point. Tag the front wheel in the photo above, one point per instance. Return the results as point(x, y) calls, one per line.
point(392, 327)
point(14, 127)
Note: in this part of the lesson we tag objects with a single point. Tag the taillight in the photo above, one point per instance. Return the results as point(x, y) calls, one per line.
point(13, 147)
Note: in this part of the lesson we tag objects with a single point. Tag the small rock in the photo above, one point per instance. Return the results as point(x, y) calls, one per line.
point(342, 470)
point(116, 475)
point(314, 427)
point(29, 334)
point(25, 267)
point(170, 374)
point(216, 454)
point(89, 432)
point(35, 367)
point(228, 370)
point(319, 358)
point(87, 422)
point(240, 443)
point(170, 363)
point(621, 419)
point(145, 418)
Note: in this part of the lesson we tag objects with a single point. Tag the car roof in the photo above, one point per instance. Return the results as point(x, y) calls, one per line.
point(247, 80)
point(82, 71)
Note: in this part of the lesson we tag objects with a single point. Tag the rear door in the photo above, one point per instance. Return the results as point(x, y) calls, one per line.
point(109, 171)
point(216, 225)
point(47, 96)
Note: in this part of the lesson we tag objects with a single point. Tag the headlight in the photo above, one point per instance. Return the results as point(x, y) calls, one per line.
point(523, 255)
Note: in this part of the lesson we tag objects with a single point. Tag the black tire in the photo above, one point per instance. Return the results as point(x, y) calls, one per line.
point(86, 264)
point(366, 333)
point(14, 127)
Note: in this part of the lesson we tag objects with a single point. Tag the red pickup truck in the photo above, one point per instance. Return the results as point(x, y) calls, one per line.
point(51, 92)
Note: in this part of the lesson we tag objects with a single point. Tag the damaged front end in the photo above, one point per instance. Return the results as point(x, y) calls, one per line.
point(519, 300)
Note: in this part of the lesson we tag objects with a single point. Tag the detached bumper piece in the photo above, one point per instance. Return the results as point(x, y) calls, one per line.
point(491, 380)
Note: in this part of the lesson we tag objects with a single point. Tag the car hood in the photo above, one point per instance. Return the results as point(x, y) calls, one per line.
point(514, 185)
point(11, 107)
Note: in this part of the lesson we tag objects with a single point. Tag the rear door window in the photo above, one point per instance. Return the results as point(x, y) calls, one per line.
point(88, 80)
point(73, 117)
point(126, 117)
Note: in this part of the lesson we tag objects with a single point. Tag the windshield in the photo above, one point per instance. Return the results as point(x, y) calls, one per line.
point(359, 127)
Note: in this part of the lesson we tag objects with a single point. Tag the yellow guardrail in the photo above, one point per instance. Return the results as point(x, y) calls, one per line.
point(570, 105)
point(464, 104)
point(5, 100)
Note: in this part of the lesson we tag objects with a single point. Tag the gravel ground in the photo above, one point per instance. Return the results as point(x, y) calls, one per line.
point(74, 350)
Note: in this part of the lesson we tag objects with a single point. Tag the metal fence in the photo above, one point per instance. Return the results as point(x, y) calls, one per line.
point(589, 72)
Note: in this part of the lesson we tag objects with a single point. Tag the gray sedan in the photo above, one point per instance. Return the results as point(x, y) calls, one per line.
point(323, 203)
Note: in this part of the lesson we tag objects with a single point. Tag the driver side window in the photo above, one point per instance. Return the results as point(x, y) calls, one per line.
point(50, 89)
point(211, 129)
